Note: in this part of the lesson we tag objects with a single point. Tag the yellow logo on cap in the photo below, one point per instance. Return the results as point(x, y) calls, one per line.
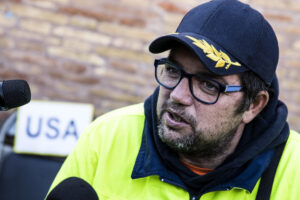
point(211, 52)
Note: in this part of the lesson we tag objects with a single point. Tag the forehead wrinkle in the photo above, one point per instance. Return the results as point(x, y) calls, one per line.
point(202, 69)
point(181, 51)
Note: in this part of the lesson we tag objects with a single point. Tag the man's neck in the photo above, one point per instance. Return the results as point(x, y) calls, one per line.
point(214, 162)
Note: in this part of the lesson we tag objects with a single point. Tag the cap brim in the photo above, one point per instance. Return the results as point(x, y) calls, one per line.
point(213, 56)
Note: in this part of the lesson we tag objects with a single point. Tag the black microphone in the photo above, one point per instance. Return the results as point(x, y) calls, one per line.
point(14, 93)
point(73, 188)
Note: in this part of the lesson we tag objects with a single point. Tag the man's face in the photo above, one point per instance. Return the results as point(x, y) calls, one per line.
point(189, 126)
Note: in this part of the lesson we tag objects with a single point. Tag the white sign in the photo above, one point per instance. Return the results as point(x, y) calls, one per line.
point(50, 128)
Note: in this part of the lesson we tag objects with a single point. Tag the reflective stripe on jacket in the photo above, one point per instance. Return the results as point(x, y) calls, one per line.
point(106, 152)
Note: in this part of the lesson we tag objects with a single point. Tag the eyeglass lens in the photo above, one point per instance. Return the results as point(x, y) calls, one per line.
point(202, 89)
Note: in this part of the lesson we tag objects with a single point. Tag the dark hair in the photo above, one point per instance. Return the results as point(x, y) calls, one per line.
point(252, 85)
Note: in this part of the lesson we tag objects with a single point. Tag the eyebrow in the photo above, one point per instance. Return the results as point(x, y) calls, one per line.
point(207, 73)
point(174, 61)
point(216, 77)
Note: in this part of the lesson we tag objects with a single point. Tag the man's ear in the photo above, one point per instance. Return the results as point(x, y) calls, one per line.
point(256, 106)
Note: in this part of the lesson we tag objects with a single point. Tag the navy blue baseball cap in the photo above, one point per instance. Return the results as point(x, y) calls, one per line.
point(228, 36)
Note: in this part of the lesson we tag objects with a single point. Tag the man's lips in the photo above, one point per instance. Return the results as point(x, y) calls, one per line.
point(174, 120)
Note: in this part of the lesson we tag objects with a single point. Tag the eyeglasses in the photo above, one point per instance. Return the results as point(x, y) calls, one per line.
point(203, 89)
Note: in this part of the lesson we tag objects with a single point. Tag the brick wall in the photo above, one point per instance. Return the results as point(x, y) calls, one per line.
point(97, 51)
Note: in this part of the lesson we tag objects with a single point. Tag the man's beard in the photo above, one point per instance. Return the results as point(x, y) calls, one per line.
point(198, 143)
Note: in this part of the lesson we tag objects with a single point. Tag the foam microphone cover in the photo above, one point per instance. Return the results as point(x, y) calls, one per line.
point(73, 188)
point(15, 93)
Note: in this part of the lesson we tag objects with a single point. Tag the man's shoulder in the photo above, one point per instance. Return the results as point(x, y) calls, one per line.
point(136, 110)
point(120, 123)
point(290, 156)
point(287, 176)
point(293, 143)
point(294, 136)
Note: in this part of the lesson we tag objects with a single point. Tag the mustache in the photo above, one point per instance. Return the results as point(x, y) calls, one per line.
point(169, 105)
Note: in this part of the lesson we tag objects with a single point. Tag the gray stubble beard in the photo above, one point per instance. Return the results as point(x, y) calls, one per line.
point(194, 143)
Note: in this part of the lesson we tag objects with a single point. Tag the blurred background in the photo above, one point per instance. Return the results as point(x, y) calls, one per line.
point(96, 51)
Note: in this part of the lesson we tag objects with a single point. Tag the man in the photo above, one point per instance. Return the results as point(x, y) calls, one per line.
point(212, 129)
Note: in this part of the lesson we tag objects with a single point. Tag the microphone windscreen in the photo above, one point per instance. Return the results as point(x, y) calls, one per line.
point(73, 188)
point(15, 93)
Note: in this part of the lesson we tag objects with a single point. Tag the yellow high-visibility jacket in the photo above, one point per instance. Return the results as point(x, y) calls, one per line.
point(106, 153)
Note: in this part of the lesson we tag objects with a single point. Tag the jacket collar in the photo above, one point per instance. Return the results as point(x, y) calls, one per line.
point(154, 159)
point(149, 163)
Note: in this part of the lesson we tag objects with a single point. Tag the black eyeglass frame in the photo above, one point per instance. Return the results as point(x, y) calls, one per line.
point(222, 88)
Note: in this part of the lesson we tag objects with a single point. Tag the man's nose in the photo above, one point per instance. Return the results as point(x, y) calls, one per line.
point(181, 93)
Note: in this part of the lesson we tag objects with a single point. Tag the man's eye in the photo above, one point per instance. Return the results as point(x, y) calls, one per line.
point(208, 87)
point(171, 70)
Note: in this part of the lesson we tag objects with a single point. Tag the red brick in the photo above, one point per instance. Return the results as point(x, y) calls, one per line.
point(100, 16)
point(13, 1)
point(170, 7)
point(107, 93)
point(138, 22)
point(9, 73)
point(116, 8)
point(130, 11)
point(124, 66)
point(293, 63)
point(72, 67)
point(278, 17)
point(25, 11)
point(86, 80)
point(30, 46)
point(40, 81)
point(29, 58)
